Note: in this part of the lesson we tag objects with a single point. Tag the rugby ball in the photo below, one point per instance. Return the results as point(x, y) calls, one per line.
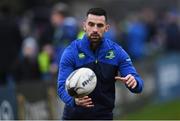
point(81, 82)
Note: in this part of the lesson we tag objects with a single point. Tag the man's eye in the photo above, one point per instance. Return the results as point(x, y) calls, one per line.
point(91, 24)
point(100, 25)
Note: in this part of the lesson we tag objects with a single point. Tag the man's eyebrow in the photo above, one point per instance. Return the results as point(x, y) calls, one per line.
point(95, 22)
point(90, 22)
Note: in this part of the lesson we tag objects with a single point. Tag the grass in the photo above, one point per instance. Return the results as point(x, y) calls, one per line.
point(163, 111)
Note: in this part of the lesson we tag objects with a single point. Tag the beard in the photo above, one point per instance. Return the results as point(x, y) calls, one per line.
point(95, 37)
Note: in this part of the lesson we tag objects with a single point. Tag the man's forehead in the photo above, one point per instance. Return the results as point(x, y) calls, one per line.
point(95, 18)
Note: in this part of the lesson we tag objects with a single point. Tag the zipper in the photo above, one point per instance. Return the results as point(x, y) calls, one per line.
point(96, 61)
point(96, 56)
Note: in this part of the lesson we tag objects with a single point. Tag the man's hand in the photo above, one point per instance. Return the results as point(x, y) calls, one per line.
point(84, 102)
point(129, 80)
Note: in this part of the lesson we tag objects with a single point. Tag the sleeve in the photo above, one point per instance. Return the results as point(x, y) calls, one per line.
point(66, 66)
point(126, 67)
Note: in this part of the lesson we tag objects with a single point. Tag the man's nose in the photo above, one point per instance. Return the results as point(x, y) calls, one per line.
point(95, 29)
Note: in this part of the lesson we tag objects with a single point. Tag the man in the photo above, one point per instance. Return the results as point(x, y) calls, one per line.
point(105, 58)
point(65, 28)
point(10, 42)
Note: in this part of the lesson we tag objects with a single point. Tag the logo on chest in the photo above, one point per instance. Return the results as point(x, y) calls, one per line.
point(110, 54)
point(81, 55)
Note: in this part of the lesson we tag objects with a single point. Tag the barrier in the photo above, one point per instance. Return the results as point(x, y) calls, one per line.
point(38, 101)
point(168, 76)
point(8, 103)
point(30, 101)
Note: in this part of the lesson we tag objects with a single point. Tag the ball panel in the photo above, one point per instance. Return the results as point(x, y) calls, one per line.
point(81, 82)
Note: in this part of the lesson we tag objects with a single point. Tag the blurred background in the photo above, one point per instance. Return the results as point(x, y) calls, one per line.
point(33, 35)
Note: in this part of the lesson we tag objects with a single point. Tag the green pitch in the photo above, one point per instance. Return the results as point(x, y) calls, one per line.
point(170, 110)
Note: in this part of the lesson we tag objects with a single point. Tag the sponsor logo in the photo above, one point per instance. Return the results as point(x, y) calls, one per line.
point(110, 55)
point(81, 55)
point(88, 80)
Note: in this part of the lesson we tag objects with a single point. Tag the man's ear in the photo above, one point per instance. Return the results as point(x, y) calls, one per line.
point(84, 26)
point(107, 27)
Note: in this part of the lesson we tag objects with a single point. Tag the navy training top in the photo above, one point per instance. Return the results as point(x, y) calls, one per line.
point(106, 61)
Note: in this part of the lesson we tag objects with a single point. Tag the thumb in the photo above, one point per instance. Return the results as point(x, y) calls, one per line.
point(123, 79)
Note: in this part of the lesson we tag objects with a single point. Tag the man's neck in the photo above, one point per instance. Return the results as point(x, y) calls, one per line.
point(94, 46)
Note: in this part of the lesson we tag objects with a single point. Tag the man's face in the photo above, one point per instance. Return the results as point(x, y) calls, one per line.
point(95, 26)
point(56, 19)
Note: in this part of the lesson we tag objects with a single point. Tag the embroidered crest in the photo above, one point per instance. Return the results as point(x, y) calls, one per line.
point(110, 54)
point(81, 55)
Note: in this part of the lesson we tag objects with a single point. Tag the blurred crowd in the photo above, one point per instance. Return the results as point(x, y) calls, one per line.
point(31, 44)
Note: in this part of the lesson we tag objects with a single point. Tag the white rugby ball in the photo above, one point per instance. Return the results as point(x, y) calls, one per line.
point(81, 82)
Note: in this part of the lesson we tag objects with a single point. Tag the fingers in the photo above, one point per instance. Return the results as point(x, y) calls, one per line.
point(123, 79)
point(84, 102)
point(129, 80)
point(134, 85)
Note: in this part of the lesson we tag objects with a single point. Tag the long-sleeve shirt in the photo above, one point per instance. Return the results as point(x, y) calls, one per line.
point(106, 61)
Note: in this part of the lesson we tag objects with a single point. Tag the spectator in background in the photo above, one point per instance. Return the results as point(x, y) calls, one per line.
point(46, 63)
point(10, 42)
point(155, 31)
point(26, 66)
point(149, 19)
point(65, 28)
point(172, 32)
point(58, 15)
point(62, 31)
point(136, 37)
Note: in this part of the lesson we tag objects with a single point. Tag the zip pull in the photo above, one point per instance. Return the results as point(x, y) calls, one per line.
point(96, 61)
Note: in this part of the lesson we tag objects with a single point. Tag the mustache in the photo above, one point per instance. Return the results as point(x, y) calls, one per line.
point(95, 34)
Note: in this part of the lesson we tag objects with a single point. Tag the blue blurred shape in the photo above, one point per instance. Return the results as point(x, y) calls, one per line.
point(168, 77)
point(8, 103)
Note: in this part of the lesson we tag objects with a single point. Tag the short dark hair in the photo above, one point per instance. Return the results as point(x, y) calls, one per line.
point(60, 8)
point(98, 12)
